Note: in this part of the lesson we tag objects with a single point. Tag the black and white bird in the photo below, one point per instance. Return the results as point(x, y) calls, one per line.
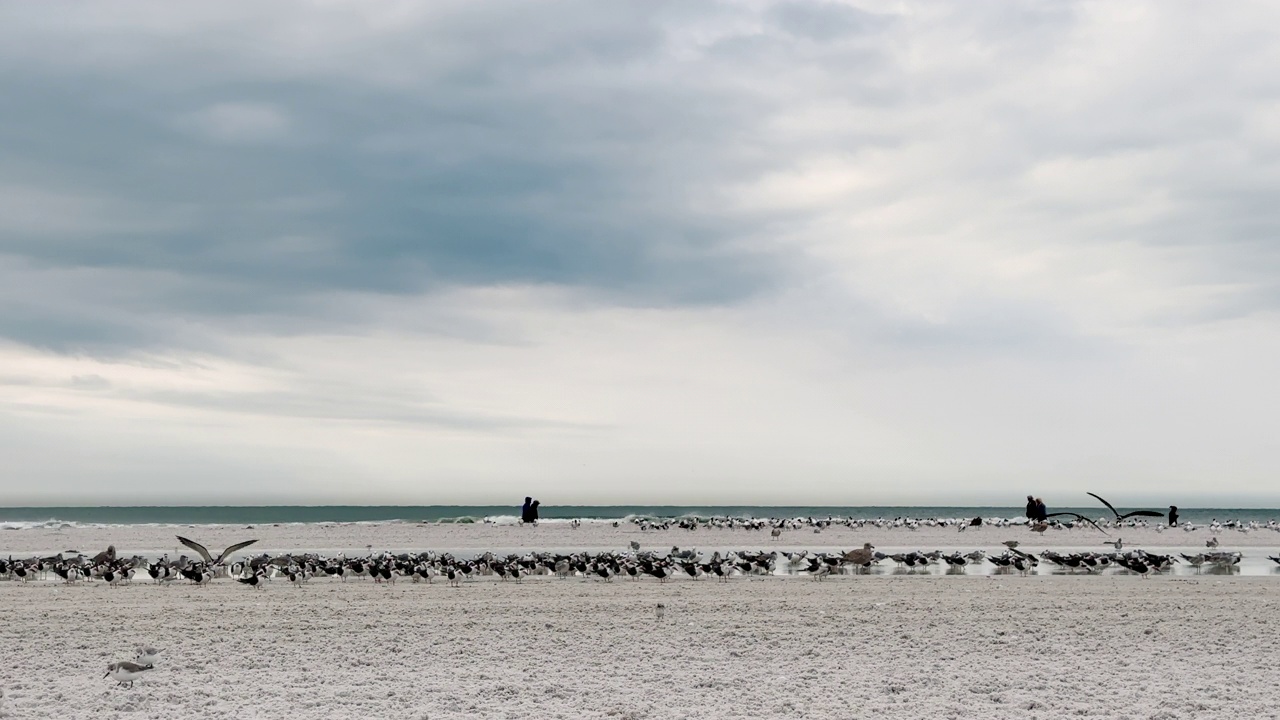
point(254, 581)
point(125, 672)
point(204, 552)
point(1135, 513)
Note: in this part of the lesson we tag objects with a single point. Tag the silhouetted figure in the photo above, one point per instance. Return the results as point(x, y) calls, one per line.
point(976, 522)
point(533, 511)
point(1173, 516)
point(526, 511)
point(1030, 512)
point(1042, 512)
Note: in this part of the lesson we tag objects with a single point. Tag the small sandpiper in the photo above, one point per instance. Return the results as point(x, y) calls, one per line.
point(147, 655)
point(125, 672)
point(661, 610)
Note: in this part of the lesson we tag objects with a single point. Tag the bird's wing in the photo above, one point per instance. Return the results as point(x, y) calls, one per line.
point(1142, 513)
point(233, 548)
point(1078, 516)
point(1104, 502)
point(197, 547)
point(132, 666)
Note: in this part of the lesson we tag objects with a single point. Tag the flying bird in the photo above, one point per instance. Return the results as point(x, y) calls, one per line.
point(1135, 513)
point(204, 553)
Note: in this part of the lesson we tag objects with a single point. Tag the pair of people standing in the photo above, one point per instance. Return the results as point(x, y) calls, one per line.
point(529, 512)
point(1036, 511)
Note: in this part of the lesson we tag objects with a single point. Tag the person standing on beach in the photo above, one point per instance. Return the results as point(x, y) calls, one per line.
point(1031, 508)
point(1173, 516)
point(533, 511)
point(1042, 512)
point(526, 511)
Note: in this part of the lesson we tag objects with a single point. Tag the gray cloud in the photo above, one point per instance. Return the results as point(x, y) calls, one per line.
point(526, 150)
point(503, 192)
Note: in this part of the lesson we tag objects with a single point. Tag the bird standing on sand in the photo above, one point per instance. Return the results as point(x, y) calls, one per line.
point(1011, 544)
point(1211, 542)
point(125, 672)
point(661, 610)
point(1117, 543)
point(147, 655)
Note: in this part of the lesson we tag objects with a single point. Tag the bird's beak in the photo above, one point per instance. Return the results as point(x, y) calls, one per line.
point(105, 674)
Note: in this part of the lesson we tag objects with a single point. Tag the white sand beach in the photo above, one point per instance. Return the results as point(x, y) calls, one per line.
point(911, 647)
point(916, 646)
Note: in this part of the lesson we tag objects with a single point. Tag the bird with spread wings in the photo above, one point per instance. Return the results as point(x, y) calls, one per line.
point(1079, 517)
point(204, 552)
point(1135, 513)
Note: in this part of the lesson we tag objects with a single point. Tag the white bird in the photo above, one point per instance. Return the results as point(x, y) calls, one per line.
point(147, 655)
point(661, 610)
point(125, 672)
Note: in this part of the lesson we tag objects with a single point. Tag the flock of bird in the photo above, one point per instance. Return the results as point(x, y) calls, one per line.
point(634, 564)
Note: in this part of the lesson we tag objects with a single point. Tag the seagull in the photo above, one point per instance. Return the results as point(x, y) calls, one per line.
point(1135, 513)
point(204, 553)
point(1117, 543)
point(1211, 542)
point(1011, 544)
point(125, 672)
point(861, 556)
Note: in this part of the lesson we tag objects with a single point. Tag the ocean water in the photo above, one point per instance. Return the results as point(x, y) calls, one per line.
point(19, 517)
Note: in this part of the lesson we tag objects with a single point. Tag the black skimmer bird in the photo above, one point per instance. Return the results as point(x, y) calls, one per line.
point(1135, 513)
point(253, 581)
point(204, 553)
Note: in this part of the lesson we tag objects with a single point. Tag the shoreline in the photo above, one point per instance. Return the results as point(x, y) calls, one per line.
point(601, 536)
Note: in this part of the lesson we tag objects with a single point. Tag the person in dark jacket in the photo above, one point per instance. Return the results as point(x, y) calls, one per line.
point(1030, 512)
point(526, 511)
point(1173, 516)
point(1042, 512)
point(533, 511)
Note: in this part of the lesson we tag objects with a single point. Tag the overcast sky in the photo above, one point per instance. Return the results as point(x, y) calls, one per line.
point(607, 252)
